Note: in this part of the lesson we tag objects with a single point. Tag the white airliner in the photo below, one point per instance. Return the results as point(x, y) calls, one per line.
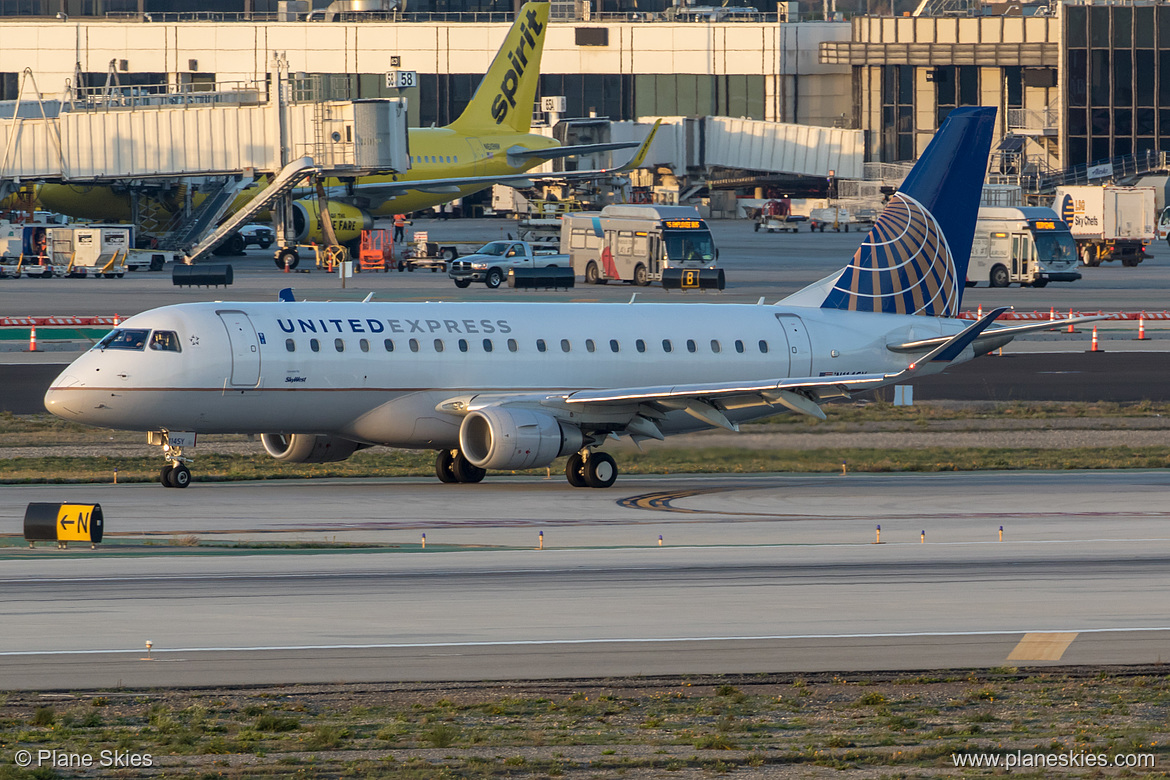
point(516, 385)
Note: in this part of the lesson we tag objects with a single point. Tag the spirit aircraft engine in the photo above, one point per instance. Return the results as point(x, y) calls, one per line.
point(348, 221)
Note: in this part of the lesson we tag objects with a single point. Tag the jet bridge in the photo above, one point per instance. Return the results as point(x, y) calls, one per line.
point(120, 135)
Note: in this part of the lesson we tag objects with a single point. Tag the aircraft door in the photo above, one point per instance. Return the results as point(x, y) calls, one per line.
point(799, 346)
point(245, 347)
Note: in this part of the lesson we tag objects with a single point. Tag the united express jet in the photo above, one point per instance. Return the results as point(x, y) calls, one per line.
point(506, 386)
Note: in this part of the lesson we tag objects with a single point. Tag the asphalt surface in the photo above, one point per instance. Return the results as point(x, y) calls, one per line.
point(764, 574)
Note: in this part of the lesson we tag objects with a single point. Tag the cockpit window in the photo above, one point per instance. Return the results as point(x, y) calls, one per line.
point(124, 338)
point(165, 340)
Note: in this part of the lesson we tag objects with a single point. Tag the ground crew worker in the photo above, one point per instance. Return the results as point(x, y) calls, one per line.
point(400, 227)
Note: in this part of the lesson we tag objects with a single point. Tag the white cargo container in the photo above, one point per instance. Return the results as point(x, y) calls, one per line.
point(1026, 246)
point(91, 249)
point(1108, 222)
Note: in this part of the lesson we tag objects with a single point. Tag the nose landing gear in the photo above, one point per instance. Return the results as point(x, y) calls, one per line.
point(175, 473)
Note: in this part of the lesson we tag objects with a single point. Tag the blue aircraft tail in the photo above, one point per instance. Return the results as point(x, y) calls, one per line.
point(914, 260)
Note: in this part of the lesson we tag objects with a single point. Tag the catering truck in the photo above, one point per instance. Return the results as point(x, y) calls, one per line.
point(1026, 246)
point(635, 244)
point(1108, 223)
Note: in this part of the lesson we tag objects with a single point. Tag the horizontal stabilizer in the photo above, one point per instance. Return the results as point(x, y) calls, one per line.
point(996, 333)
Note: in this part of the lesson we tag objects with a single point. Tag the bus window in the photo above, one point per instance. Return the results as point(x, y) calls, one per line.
point(625, 243)
point(689, 246)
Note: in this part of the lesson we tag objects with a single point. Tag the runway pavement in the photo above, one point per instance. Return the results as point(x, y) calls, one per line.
point(755, 574)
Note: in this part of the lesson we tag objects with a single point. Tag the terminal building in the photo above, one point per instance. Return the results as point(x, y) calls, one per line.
point(1074, 83)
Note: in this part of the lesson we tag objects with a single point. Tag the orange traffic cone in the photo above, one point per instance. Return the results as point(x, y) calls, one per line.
point(32, 339)
point(117, 319)
point(979, 313)
point(1142, 327)
point(1070, 325)
point(1094, 347)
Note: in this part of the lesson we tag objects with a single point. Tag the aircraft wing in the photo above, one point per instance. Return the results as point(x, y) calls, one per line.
point(521, 153)
point(384, 190)
point(634, 410)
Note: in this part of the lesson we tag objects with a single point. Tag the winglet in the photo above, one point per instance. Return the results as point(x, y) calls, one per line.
point(286, 295)
point(944, 354)
point(640, 155)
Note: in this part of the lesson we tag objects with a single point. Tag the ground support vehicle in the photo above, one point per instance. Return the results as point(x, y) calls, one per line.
point(1026, 246)
point(492, 263)
point(262, 236)
point(832, 217)
point(1164, 225)
point(1108, 223)
point(635, 244)
point(376, 251)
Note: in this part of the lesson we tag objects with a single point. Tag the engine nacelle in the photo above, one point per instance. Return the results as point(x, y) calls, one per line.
point(499, 438)
point(348, 221)
point(308, 448)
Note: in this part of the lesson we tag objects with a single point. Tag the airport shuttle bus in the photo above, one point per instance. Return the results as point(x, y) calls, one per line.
point(1026, 246)
point(634, 244)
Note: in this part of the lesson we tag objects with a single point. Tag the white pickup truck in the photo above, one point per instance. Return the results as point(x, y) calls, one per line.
point(491, 263)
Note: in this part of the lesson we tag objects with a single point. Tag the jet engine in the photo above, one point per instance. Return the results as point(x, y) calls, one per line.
point(348, 221)
point(500, 438)
point(307, 448)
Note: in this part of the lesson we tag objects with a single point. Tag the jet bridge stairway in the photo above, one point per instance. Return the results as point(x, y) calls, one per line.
point(289, 177)
point(210, 211)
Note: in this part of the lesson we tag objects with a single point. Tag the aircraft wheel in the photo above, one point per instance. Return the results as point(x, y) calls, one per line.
point(575, 470)
point(462, 284)
point(291, 256)
point(495, 277)
point(443, 462)
point(180, 476)
point(591, 274)
point(164, 475)
point(600, 470)
point(465, 471)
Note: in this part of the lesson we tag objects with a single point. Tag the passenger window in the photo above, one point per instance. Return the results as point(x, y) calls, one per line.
point(613, 345)
point(290, 345)
point(763, 346)
point(512, 345)
point(165, 341)
point(640, 345)
point(389, 345)
point(691, 345)
point(589, 345)
point(462, 345)
point(438, 345)
point(315, 345)
point(487, 345)
point(365, 345)
point(715, 346)
point(339, 345)
point(739, 346)
point(414, 345)
point(540, 346)
point(667, 346)
point(565, 346)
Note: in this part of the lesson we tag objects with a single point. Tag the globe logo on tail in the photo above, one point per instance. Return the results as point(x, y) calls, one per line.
point(904, 266)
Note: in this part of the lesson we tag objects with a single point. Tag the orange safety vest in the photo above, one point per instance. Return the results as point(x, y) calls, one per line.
point(399, 220)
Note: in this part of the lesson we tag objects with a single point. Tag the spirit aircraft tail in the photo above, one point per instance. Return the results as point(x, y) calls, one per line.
point(914, 260)
point(504, 99)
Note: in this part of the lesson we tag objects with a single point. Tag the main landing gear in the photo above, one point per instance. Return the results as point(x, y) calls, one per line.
point(453, 466)
point(590, 468)
point(587, 468)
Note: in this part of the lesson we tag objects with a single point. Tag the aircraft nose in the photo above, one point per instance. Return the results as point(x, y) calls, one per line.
point(57, 397)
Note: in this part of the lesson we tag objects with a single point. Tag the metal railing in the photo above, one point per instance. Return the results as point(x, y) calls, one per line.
point(1043, 120)
point(115, 96)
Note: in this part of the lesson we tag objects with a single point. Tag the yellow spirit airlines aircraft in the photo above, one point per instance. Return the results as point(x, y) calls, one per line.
point(489, 143)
